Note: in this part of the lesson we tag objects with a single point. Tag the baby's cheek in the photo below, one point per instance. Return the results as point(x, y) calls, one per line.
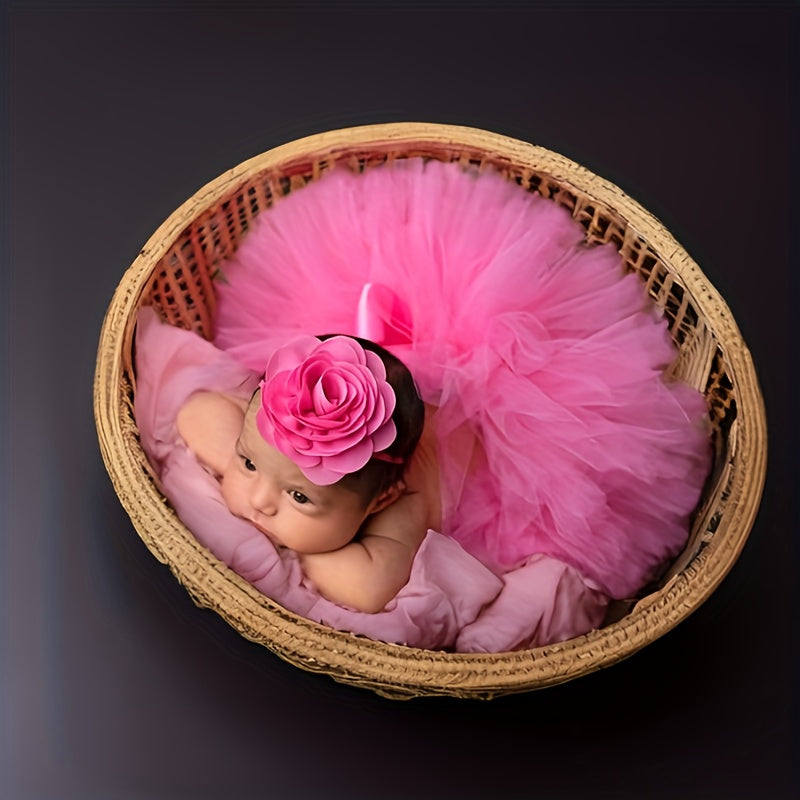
point(233, 494)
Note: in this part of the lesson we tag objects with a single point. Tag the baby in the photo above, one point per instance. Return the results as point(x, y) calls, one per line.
point(330, 458)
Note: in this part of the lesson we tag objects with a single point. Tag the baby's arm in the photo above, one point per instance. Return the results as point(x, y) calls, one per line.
point(210, 424)
point(367, 573)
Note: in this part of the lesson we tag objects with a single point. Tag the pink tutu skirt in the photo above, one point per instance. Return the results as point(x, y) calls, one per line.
point(558, 433)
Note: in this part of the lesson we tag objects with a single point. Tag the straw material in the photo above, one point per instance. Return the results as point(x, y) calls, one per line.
point(175, 273)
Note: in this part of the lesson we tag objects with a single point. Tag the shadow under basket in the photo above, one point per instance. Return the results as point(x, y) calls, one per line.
point(175, 272)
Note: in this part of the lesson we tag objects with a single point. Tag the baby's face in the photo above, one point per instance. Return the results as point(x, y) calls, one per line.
point(266, 488)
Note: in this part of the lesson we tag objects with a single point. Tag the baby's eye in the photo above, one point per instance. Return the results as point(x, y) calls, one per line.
point(248, 464)
point(298, 497)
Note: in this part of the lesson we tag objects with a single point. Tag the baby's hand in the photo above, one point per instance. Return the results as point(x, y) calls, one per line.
point(210, 424)
point(367, 573)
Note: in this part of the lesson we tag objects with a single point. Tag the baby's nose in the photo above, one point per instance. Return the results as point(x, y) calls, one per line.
point(264, 496)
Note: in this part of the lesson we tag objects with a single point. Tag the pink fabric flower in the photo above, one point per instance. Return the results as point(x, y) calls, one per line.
point(327, 406)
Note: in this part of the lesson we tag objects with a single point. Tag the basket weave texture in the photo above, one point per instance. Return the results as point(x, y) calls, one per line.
point(175, 272)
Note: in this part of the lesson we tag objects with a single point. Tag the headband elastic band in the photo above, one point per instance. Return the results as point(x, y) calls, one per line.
point(386, 457)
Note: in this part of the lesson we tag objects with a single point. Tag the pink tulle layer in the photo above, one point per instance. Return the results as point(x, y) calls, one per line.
point(558, 434)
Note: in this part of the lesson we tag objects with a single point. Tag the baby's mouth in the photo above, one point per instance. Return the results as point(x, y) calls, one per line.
point(271, 536)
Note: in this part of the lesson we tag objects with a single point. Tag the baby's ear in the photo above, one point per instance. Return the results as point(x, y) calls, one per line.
point(386, 497)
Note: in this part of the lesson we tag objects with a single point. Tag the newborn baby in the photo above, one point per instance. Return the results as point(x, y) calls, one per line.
point(329, 458)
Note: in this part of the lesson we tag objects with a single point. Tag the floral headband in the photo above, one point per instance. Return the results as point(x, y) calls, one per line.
point(327, 406)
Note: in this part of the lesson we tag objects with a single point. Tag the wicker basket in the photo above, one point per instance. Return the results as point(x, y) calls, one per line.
point(175, 272)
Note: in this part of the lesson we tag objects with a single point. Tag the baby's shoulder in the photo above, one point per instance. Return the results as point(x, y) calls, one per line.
point(405, 522)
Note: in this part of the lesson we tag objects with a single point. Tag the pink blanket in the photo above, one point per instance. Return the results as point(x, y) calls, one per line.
point(452, 601)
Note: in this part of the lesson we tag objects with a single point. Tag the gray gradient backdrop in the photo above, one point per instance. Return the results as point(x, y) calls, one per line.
point(113, 684)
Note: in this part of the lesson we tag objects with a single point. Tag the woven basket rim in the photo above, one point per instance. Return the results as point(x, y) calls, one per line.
point(398, 670)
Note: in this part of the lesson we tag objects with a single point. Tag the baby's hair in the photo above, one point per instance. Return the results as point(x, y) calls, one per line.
point(409, 418)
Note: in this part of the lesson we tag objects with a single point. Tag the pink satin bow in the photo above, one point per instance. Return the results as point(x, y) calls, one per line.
point(382, 316)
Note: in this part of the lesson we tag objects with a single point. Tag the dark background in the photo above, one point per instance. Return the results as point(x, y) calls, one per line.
point(113, 684)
